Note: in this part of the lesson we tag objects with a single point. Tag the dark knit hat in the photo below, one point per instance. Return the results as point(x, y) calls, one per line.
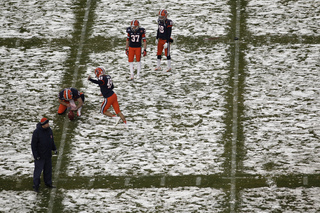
point(44, 121)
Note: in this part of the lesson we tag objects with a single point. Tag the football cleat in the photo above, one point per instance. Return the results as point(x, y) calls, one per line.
point(117, 120)
point(168, 69)
point(135, 25)
point(67, 94)
point(99, 71)
point(162, 16)
point(126, 124)
point(158, 68)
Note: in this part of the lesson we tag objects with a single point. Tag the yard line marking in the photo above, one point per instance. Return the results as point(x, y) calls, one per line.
point(163, 181)
point(235, 113)
point(19, 183)
point(66, 122)
point(305, 180)
point(127, 181)
point(198, 181)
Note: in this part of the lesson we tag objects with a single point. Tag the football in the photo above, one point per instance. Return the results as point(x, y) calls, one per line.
point(71, 115)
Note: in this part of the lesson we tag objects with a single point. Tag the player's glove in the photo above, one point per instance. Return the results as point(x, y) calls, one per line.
point(165, 46)
point(55, 152)
point(144, 53)
point(38, 158)
point(156, 42)
point(127, 52)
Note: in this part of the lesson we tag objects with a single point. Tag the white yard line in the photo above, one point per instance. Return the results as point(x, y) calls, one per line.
point(66, 122)
point(235, 113)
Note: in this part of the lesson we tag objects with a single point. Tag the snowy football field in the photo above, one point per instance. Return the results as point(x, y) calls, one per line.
point(233, 128)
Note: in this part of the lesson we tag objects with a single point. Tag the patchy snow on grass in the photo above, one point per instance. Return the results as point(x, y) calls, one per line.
point(190, 18)
point(187, 199)
point(282, 111)
point(272, 199)
point(175, 119)
point(20, 201)
point(277, 17)
point(29, 88)
point(42, 19)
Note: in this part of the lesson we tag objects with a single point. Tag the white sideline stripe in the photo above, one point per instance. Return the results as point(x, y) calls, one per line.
point(66, 122)
point(235, 114)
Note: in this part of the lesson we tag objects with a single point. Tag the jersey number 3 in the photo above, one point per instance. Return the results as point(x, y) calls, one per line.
point(135, 38)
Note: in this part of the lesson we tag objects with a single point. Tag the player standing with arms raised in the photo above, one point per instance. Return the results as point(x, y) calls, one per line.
point(135, 36)
point(164, 38)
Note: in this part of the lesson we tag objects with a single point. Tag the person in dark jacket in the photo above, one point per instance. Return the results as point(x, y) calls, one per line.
point(42, 145)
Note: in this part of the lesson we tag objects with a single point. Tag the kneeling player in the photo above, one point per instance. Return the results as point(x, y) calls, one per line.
point(67, 98)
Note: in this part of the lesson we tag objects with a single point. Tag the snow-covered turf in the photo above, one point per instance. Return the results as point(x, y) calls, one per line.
point(283, 111)
point(190, 18)
point(175, 131)
point(19, 201)
point(271, 199)
point(189, 199)
point(177, 119)
point(277, 17)
point(29, 87)
point(36, 19)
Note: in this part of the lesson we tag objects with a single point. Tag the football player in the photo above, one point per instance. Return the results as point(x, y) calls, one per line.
point(67, 98)
point(135, 36)
point(110, 98)
point(163, 38)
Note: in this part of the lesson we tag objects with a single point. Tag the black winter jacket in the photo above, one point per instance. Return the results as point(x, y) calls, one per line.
point(42, 143)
